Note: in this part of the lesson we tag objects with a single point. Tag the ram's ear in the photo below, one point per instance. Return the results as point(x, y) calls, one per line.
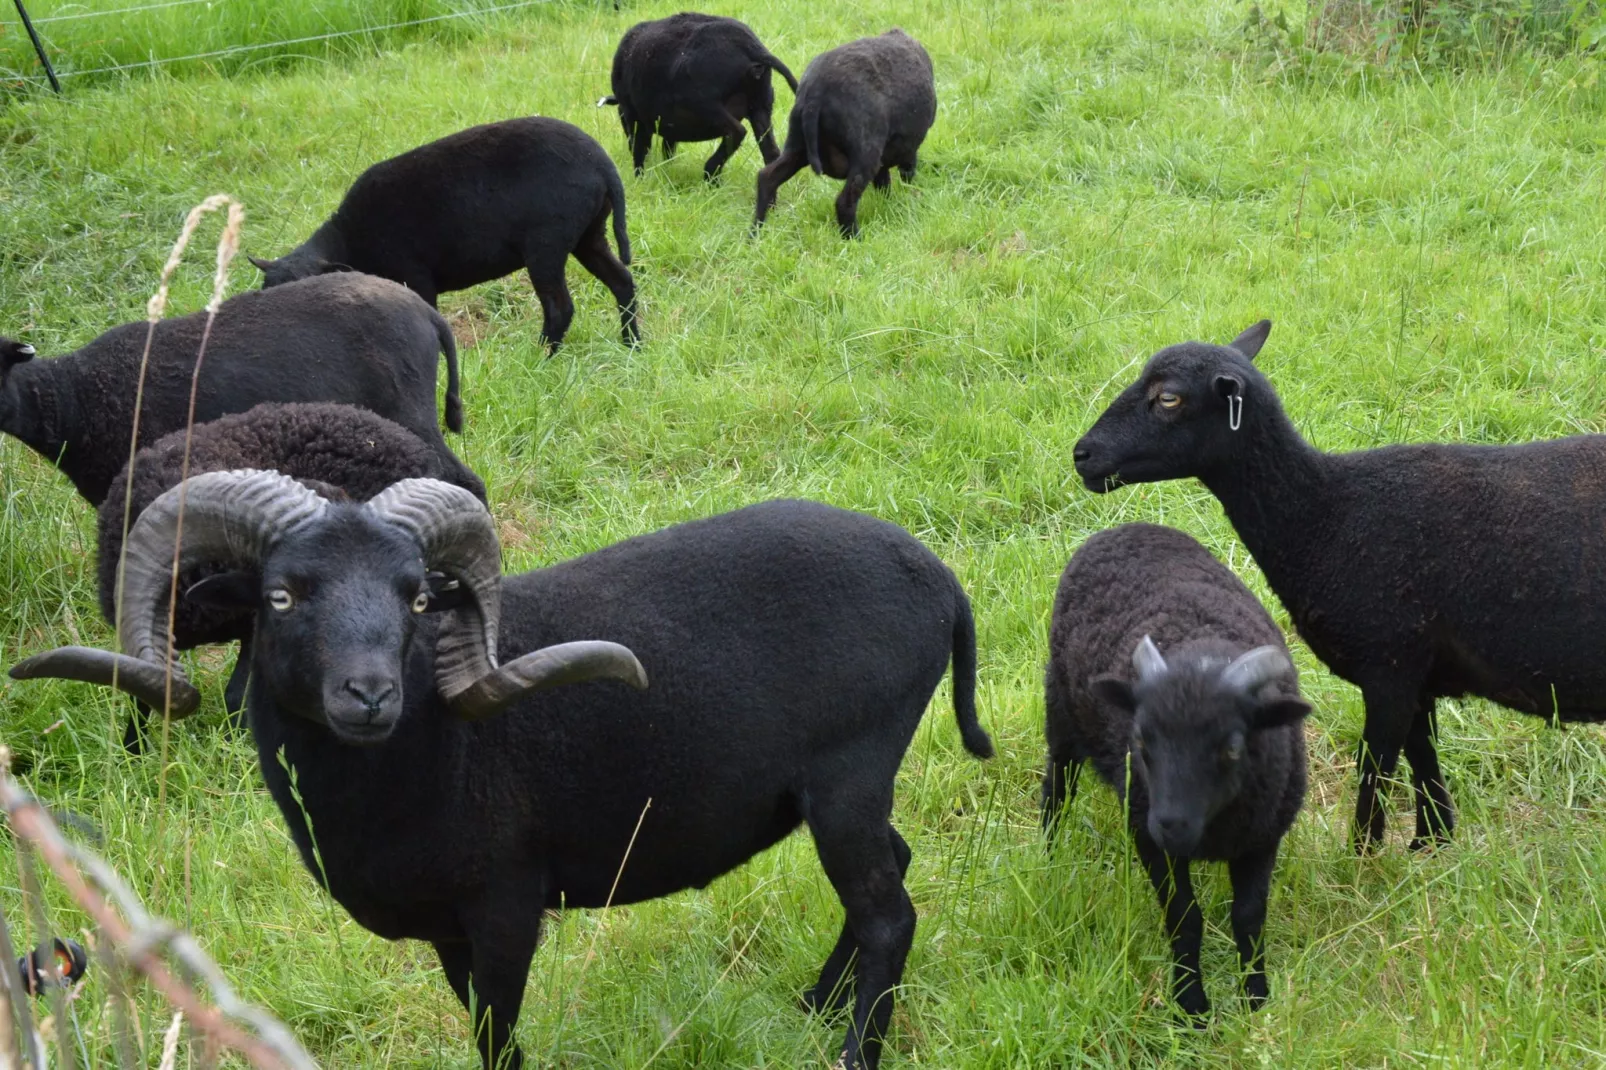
point(262, 265)
point(1252, 339)
point(226, 590)
point(1280, 711)
point(445, 593)
point(1115, 691)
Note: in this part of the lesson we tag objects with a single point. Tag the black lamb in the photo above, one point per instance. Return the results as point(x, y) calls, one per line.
point(1413, 572)
point(475, 206)
point(861, 109)
point(693, 77)
point(353, 339)
point(1213, 726)
point(341, 451)
point(792, 649)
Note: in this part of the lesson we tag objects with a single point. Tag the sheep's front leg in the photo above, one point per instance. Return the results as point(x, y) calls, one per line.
point(1184, 923)
point(490, 968)
point(1251, 885)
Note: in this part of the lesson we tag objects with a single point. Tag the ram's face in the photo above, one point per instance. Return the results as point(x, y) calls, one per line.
point(336, 612)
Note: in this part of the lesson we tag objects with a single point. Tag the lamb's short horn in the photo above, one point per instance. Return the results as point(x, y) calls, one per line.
point(1255, 668)
point(1147, 661)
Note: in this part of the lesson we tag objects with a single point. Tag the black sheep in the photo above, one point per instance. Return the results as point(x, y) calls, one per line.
point(1414, 572)
point(342, 451)
point(475, 206)
point(861, 109)
point(1212, 726)
point(792, 648)
point(693, 77)
point(353, 339)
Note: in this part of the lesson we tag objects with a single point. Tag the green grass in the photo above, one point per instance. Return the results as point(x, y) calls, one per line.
point(1103, 179)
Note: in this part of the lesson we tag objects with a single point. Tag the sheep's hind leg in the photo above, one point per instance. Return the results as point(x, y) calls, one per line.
point(859, 858)
point(860, 174)
point(1184, 924)
point(772, 178)
point(1435, 816)
point(596, 257)
point(835, 986)
point(557, 307)
point(1251, 884)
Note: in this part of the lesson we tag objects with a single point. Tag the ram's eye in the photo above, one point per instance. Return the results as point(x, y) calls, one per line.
point(1169, 401)
point(281, 600)
point(421, 602)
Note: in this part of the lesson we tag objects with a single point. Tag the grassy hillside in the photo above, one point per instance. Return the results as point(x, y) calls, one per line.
point(1104, 178)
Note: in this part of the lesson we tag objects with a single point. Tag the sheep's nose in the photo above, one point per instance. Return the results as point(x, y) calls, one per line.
point(371, 691)
point(1080, 453)
point(1175, 833)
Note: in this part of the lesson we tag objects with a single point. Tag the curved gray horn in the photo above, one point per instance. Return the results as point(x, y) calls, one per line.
point(230, 518)
point(565, 663)
point(1252, 669)
point(459, 539)
point(1147, 661)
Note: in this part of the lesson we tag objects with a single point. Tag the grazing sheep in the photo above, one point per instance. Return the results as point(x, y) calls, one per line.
point(1213, 727)
point(694, 77)
point(349, 338)
point(344, 452)
point(478, 205)
point(1414, 572)
point(793, 648)
point(862, 109)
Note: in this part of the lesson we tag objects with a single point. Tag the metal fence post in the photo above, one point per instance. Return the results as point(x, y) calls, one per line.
point(38, 46)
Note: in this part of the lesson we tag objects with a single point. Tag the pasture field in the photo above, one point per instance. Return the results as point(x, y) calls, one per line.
point(1104, 178)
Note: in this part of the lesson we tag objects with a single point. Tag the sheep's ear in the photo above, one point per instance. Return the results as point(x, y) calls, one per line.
point(1281, 711)
point(13, 354)
point(445, 593)
point(1115, 691)
point(1251, 340)
point(262, 265)
point(1229, 386)
point(329, 267)
point(226, 590)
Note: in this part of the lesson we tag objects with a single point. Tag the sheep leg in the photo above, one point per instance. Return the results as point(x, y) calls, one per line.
point(234, 691)
point(906, 171)
point(488, 974)
point(1389, 715)
point(835, 986)
point(1435, 816)
point(1059, 788)
point(758, 117)
point(640, 135)
point(1251, 885)
point(863, 868)
point(557, 307)
point(883, 179)
point(772, 177)
point(596, 257)
point(860, 173)
point(735, 133)
point(1184, 923)
point(134, 728)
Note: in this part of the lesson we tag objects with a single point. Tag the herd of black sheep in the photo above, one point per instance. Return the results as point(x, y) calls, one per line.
point(765, 668)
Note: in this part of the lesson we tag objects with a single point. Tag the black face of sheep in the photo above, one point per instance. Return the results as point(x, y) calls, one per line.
point(1191, 725)
point(829, 630)
point(13, 409)
point(522, 194)
point(862, 109)
point(693, 77)
point(1165, 425)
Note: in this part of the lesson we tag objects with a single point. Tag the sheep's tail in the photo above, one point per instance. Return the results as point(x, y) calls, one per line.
point(616, 194)
point(974, 735)
point(773, 63)
point(811, 131)
point(454, 400)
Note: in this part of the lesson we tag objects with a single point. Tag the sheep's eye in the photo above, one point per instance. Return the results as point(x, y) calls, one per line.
point(1232, 753)
point(421, 602)
point(281, 600)
point(1169, 401)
